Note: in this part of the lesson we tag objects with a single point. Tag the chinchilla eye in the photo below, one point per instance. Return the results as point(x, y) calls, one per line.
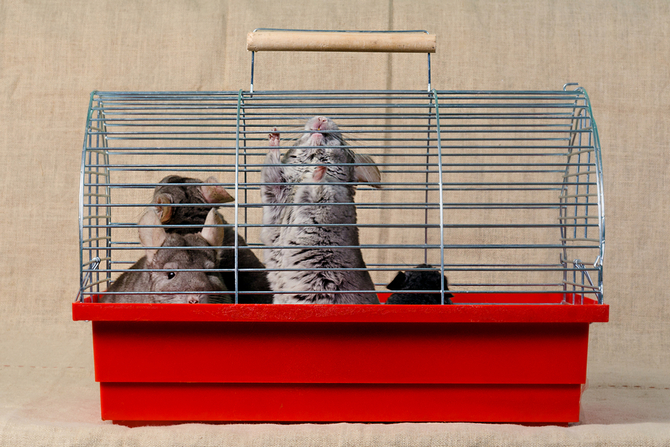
point(171, 275)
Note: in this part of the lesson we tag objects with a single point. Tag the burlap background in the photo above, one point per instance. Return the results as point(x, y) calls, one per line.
point(53, 54)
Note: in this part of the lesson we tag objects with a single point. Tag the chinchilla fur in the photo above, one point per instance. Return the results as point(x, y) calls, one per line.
point(309, 204)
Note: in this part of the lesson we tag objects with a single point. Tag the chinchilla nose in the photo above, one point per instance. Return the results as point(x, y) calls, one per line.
point(193, 300)
point(320, 122)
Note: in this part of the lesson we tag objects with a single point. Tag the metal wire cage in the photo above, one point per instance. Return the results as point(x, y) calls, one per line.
point(500, 190)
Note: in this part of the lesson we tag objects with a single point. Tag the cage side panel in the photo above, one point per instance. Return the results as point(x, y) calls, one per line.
point(340, 352)
point(519, 190)
point(339, 402)
point(581, 206)
point(94, 237)
point(136, 139)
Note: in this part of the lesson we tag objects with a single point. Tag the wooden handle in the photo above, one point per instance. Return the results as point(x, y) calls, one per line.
point(411, 42)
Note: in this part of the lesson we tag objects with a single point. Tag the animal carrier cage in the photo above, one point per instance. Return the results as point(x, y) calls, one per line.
point(501, 191)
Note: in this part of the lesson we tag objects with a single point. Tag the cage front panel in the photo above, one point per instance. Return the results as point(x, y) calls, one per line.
point(498, 188)
point(398, 223)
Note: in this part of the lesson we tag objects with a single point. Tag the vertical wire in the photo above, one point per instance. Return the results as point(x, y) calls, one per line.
point(108, 231)
point(99, 141)
point(108, 194)
point(563, 210)
point(429, 80)
point(578, 181)
point(93, 191)
point(237, 187)
point(428, 132)
point(251, 86)
point(95, 194)
point(594, 139)
point(82, 176)
point(584, 124)
point(576, 136)
point(441, 192)
point(246, 175)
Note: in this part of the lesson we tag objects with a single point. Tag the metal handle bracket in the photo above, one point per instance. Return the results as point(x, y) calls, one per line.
point(267, 39)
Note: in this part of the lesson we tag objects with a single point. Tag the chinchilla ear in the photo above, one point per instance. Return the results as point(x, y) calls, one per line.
point(215, 193)
point(213, 235)
point(319, 173)
point(368, 173)
point(398, 282)
point(151, 236)
point(164, 210)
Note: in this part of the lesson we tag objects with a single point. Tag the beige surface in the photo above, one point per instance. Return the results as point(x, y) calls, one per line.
point(55, 53)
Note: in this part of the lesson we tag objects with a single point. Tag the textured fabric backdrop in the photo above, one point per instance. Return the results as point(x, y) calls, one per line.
point(55, 53)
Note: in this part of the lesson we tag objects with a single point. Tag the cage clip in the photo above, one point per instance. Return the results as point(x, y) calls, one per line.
point(93, 265)
point(579, 265)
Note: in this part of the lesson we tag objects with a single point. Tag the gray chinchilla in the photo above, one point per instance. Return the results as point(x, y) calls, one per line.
point(180, 190)
point(208, 284)
point(309, 203)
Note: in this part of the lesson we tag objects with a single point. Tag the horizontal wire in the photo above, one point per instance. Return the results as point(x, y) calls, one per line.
point(343, 269)
point(377, 246)
point(373, 225)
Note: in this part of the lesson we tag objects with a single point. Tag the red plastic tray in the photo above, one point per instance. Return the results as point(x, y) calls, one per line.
point(523, 363)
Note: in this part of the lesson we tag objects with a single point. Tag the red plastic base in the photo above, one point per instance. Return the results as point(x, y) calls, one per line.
point(322, 363)
point(340, 402)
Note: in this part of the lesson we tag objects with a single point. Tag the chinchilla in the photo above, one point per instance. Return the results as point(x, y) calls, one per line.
point(309, 204)
point(164, 252)
point(200, 199)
